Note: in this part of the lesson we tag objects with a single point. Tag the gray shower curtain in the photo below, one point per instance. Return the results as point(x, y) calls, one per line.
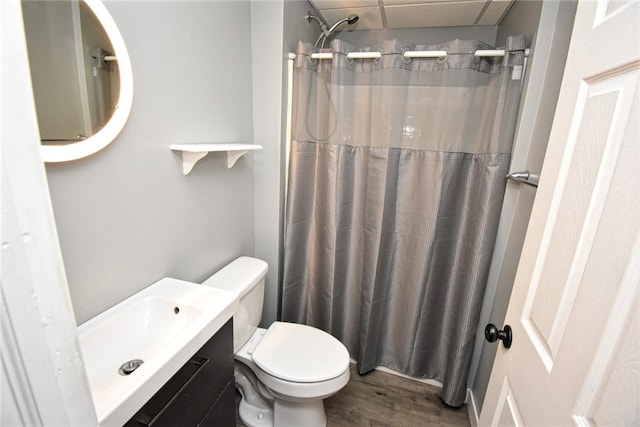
point(396, 180)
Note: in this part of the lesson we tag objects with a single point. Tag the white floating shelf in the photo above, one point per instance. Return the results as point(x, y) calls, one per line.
point(191, 153)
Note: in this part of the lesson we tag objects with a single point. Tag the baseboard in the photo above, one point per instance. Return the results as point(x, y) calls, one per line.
point(420, 380)
point(472, 408)
point(392, 372)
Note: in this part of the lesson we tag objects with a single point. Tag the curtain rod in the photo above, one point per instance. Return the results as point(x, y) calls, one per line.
point(413, 54)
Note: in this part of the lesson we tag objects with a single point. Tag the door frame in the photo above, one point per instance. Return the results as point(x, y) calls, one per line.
point(580, 68)
point(43, 376)
point(542, 83)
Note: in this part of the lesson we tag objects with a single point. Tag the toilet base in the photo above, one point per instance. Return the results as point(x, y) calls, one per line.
point(253, 416)
point(284, 414)
point(256, 407)
point(296, 414)
point(260, 407)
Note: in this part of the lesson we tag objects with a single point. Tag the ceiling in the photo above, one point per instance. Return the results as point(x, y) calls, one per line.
point(379, 14)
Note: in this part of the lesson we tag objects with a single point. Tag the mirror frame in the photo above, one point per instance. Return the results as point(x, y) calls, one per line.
point(106, 135)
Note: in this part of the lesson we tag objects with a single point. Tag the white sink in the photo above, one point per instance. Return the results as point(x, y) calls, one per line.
point(162, 325)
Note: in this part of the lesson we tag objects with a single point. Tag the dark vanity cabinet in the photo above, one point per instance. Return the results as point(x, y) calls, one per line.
point(201, 393)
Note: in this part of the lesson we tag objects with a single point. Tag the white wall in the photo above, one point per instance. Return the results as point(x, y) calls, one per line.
point(126, 216)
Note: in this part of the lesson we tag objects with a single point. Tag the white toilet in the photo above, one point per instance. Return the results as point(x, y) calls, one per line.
point(284, 372)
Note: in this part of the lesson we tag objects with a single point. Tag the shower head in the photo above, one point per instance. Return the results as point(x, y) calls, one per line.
point(326, 32)
point(351, 19)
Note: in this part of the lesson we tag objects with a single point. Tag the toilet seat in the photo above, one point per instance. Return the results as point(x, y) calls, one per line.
point(300, 354)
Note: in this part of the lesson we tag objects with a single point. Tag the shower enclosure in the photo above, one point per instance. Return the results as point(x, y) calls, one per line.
point(397, 173)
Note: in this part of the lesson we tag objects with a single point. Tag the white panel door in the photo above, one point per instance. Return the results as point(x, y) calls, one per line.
point(575, 356)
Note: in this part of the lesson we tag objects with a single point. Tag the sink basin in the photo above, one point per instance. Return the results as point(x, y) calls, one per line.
point(132, 349)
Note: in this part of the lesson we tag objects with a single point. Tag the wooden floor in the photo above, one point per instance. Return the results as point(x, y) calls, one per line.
point(380, 399)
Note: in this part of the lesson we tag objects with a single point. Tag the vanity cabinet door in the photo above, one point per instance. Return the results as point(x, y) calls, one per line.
point(196, 389)
point(223, 412)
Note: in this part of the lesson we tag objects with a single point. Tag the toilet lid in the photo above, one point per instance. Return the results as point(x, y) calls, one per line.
point(300, 353)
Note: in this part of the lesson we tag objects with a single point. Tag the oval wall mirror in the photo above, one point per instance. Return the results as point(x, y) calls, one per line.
point(81, 75)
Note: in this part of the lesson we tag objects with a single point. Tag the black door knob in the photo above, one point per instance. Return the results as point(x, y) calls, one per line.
point(493, 334)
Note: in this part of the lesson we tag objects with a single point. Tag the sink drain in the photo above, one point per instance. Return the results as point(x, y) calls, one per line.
point(130, 366)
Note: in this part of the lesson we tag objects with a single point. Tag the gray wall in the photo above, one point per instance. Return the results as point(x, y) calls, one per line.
point(127, 216)
point(266, 43)
point(276, 27)
point(296, 27)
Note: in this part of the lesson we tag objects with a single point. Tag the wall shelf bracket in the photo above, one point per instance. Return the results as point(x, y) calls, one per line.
point(191, 153)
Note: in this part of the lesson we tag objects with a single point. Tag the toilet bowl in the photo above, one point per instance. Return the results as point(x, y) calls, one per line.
point(285, 371)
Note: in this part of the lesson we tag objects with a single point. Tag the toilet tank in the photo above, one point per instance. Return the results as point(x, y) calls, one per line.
point(245, 276)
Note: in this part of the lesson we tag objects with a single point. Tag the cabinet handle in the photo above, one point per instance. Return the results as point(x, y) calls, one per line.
point(147, 415)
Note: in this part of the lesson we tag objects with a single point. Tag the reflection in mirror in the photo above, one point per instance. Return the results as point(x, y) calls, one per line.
point(81, 76)
point(73, 69)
